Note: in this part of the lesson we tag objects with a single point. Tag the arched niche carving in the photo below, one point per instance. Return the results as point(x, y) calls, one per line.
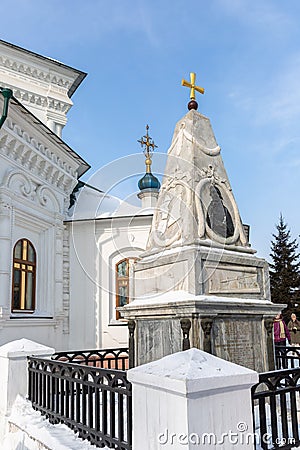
point(206, 191)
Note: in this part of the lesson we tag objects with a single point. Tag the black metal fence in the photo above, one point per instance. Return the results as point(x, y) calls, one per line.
point(287, 357)
point(94, 402)
point(112, 358)
point(276, 403)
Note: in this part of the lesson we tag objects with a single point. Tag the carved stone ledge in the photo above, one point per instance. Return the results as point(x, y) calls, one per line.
point(32, 98)
point(33, 72)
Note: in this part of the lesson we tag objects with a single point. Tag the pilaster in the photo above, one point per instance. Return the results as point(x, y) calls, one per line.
point(6, 250)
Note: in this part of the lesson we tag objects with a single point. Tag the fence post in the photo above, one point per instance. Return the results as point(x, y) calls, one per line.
point(14, 373)
point(190, 399)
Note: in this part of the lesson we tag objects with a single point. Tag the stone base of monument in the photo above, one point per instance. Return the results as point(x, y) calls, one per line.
point(235, 329)
point(202, 269)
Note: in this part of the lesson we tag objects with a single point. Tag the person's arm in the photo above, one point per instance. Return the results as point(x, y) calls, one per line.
point(287, 333)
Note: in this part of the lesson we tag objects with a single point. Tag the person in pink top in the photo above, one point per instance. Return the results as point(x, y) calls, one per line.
point(281, 334)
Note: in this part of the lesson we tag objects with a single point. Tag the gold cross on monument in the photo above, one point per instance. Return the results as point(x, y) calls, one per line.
point(192, 104)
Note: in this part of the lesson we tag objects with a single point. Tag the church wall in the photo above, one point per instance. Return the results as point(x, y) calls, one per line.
point(36, 178)
point(82, 294)
point(95, 248)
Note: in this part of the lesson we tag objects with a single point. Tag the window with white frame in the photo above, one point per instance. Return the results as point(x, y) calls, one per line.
point(122, 284)
point(24, 277)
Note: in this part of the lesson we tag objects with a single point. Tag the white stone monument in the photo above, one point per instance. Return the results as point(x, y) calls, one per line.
point(198, 283)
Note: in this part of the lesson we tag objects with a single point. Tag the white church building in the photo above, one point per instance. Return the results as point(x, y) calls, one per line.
point(66, 247)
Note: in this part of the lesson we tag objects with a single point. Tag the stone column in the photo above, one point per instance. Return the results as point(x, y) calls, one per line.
point(206, 326)
point(191, 399)
point(268, 323)
point(185, 327)
point(131, 343)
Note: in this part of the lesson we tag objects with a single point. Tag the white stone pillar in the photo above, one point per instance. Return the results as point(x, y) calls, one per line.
point(14, 373)
point(51, 125)
point(191, 400)
point(58, 129)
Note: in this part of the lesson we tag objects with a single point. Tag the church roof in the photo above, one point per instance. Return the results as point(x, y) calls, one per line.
point(94, 204)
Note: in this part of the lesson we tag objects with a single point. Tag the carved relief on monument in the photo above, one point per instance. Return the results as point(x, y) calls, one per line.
point(201, 143)
point(218, 215)
point(173, 218)
point(233, 280)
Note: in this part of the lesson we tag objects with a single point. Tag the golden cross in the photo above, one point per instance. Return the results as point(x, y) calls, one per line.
point(192, 86)
point(148, 142)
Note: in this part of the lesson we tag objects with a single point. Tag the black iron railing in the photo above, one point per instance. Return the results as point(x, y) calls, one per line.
point(112, 358)
point(94, 402)
point(276, 402)
point(287, 357)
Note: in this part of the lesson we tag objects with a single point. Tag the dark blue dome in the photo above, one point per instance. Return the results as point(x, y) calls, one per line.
point(149, 181)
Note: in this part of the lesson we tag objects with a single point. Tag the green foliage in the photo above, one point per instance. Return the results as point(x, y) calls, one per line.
point(285, 266)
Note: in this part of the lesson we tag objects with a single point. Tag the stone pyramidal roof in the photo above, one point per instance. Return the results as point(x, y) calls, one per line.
point(196, 202)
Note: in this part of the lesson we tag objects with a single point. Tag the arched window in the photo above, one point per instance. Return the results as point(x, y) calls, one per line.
point(122, 284)
point(24, 273)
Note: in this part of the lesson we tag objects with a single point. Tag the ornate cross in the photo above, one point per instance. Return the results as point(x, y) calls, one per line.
point(148, 142)
point(192, 86)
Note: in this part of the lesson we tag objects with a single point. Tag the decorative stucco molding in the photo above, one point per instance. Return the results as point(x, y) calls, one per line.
point(66, 281)
point(37, 158)
point(20, 183)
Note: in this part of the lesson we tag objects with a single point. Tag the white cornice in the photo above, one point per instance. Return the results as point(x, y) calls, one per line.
point(35, 71)
point(41, 84)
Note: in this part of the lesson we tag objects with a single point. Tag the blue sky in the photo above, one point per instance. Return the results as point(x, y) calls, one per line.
point(246, 54)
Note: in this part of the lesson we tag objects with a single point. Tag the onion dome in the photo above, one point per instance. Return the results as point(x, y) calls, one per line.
point(149, 181)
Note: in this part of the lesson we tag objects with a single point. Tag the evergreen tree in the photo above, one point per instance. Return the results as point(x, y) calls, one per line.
point(285, 268)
